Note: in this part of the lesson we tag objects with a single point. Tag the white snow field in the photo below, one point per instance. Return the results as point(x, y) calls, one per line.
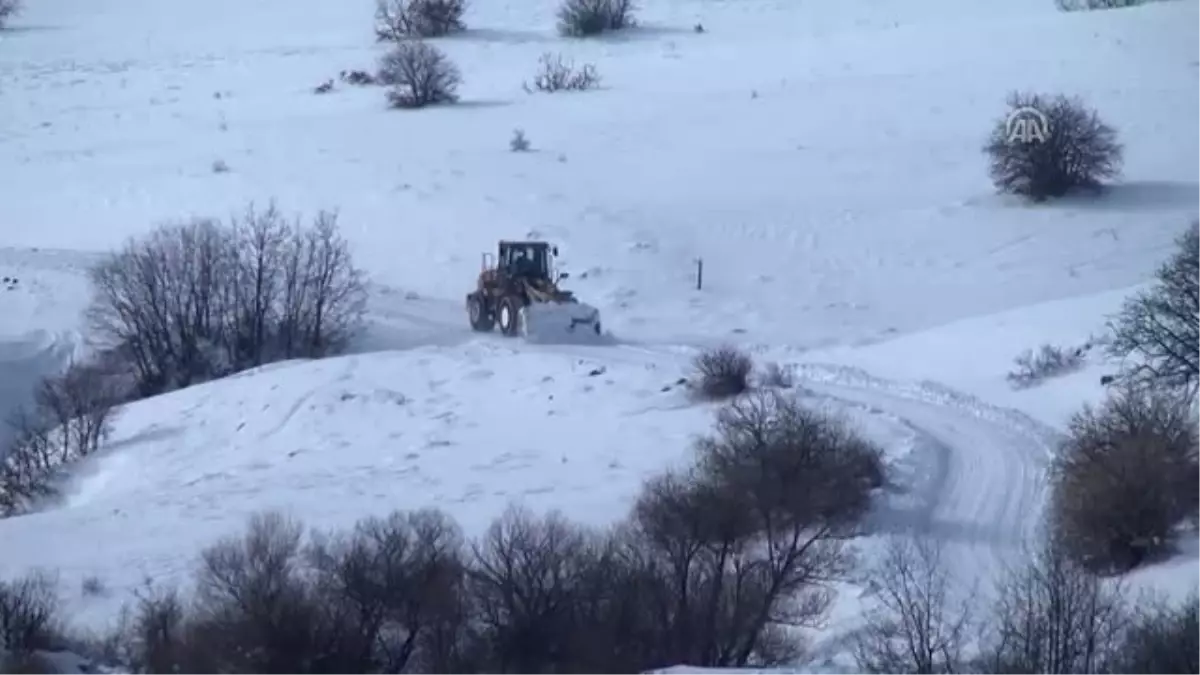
point(821, 157)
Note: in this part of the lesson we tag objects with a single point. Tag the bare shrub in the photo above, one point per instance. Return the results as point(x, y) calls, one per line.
point(395, 589)
point(1160, 327)
point(1161, 639)
point(777, 376)
point(1084, 5)
point(397, 20)
point(518, 142)
point(1048, 361)
point(92, 586)
point(796, 467)
point(558, 74)
point(921, 621)
point(722, 372)
point(158, 636)
point(529, 584)
point(1124, 478)
point(583, 18)
point(30, 467)
point(730, 556)
point(713, 589)
point(202, 300)
point(387, 596)
point(1078, 150)
point(1053, 616)
point(418, 75)
point(29, 615)
point(78, 406)
point(256, 609)
point(71, 415)
point(8, 10)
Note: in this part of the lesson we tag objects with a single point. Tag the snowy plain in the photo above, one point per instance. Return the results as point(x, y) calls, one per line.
point(822, 158)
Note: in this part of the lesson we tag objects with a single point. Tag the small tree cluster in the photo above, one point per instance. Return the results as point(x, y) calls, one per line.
point(30, 622)
point(1053, 616)
point(1067, 147)
point(1048, 615)
point(418, 74)
point(1125, 478)
point(397, 20)
point(713, 567)
point(204, 299)
point(584, 18)
point(1049, 361)
point(722, 372)
point(1160, 328)
point(920, 621)
point(558, 74)
point(71, 415)
point(8, 9)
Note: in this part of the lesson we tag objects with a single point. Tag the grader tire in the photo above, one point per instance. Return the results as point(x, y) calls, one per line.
point(482, 320)
point(508, 312)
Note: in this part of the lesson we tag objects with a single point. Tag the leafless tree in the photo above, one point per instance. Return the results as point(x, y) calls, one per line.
point(29, 468)
point(418, 75)
point(256, 608)
point(1162, 638)
point(1160, 327)
point(78, 405)
point(158, 300)
point(527, 581)
point(734, 552)
point(396, 587)
point(397, 20)
point(1053, 616)
point(158, 637)
point(922, 619)
point(29, 614)
point(1124, 478)
point(1078, 149)
point(9, 9)
point(201, 300)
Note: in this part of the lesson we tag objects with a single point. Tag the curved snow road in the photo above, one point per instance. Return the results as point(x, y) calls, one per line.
point(983, 471)
point(980, 468)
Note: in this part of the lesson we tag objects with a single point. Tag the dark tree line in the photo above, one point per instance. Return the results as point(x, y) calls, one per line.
point(714, 565)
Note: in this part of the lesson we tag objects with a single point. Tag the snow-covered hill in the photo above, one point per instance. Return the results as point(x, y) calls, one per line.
point(822, 158)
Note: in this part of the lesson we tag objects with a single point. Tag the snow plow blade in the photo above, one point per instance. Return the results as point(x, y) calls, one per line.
point(561, 323)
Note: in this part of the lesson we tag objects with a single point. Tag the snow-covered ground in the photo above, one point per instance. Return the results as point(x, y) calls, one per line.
point(822, 158)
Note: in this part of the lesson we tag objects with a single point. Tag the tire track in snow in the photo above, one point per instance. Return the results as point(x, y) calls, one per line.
point(990, 498)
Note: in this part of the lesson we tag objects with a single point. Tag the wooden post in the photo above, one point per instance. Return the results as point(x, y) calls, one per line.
point(699, 273)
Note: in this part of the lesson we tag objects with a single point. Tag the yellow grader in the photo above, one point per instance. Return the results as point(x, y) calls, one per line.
point(519, 290)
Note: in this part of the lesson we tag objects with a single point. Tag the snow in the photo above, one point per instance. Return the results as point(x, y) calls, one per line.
point(822, 159)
